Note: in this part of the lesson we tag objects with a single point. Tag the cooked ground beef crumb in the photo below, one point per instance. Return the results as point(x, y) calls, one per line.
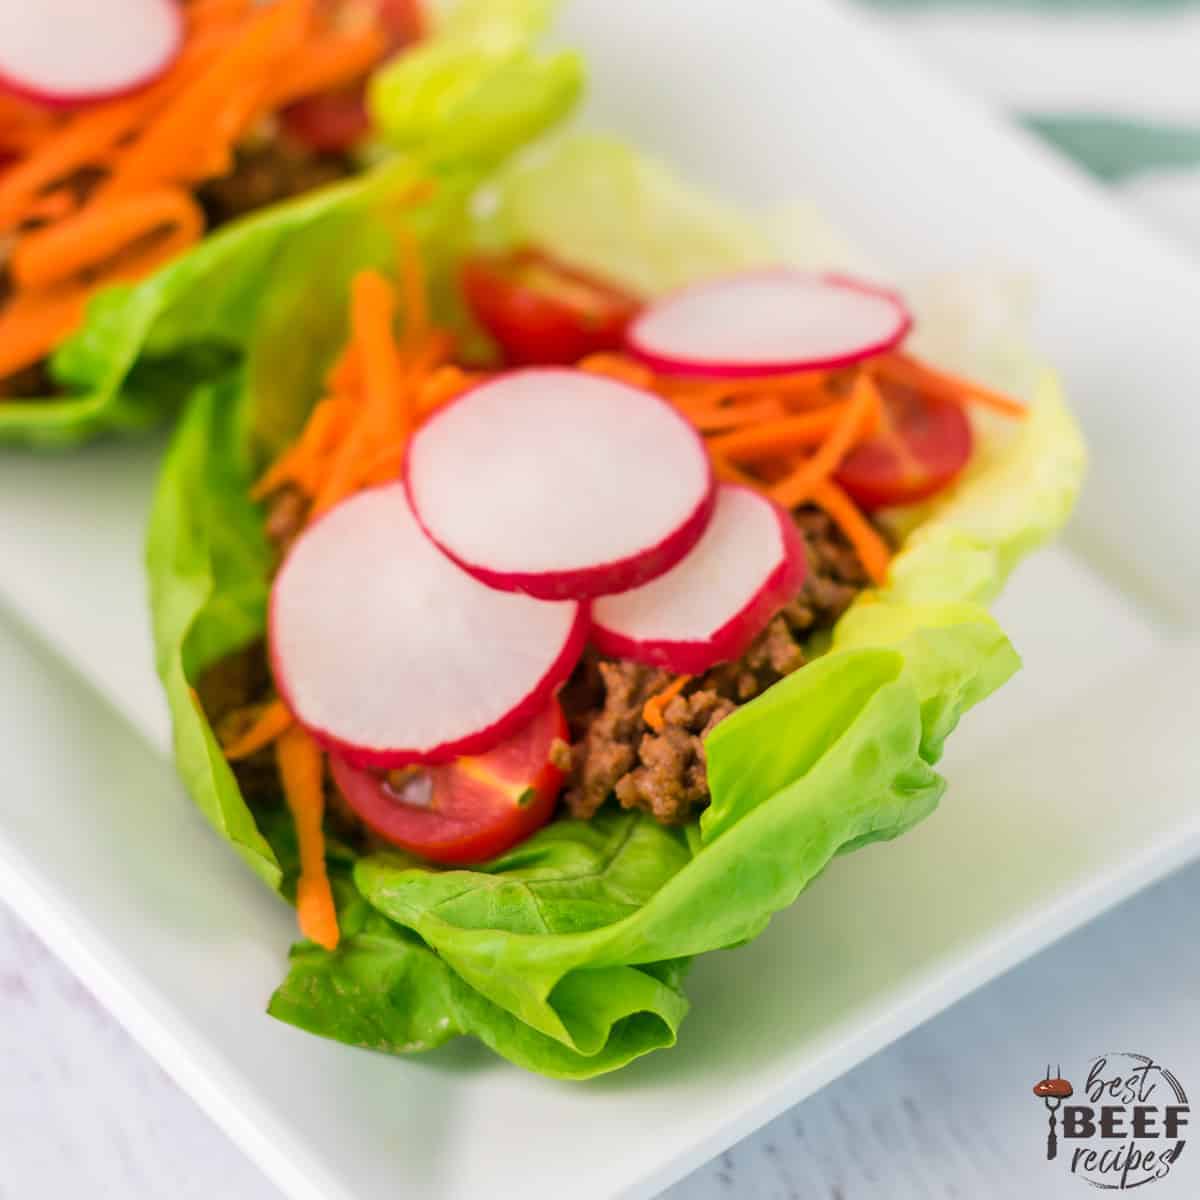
point(28, 383)
point(614, 753)
point(264, 173)
point(287, 512)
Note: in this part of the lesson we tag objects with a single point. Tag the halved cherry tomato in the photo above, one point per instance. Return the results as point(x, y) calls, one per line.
point(329, 123)
point(920, 446)
point(541, 311)
point(470, 809)
point(332, 122)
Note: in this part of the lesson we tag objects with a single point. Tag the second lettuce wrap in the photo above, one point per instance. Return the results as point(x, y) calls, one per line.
point(448, 111)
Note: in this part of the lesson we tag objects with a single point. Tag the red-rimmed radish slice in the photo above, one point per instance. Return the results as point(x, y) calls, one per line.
point(557, 483)
point(389, 654)
point(65, 52)
point(708, 609)
point(767, 322)
point(470, 809)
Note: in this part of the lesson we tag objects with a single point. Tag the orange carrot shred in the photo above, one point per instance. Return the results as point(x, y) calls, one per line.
point(326, 63)
point(729, 472)
point(345, 375)
point(266, 724)
point(773, 439)
point(652, 710)
point(413, 295)
point(617, 366)
point(384, 416)
point(301, 771)
point(30, 327)
point(82, 242)
point(218, 102)
point(200, 14)
point(872, 550)
point(855, 418)
point(904, 369)
point(442, 386)
point(294, 465)
point(87, 138)
point(719, 418)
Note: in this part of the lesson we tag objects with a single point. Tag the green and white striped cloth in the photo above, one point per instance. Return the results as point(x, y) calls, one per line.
point(1115, 84)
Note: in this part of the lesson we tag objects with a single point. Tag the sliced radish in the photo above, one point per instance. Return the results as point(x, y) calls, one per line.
point(768, 322)
point(557, 483)
point(708, 609)
point(388, 653)
point(65, 52)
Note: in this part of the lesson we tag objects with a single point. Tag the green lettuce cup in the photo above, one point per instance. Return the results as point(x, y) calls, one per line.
point(567, 955)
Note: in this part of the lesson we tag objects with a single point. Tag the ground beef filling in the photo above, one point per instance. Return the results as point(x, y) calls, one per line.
point(266, 172)
point(614, 753)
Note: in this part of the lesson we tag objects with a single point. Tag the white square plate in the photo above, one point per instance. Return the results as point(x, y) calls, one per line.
point(1073, 787)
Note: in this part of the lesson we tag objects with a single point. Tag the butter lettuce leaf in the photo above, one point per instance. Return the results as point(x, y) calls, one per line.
point(208, 563)
point(479, 89)
point(594, 202)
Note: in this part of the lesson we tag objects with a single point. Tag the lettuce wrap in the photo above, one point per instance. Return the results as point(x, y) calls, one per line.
point(447, 111)
point(567, 954)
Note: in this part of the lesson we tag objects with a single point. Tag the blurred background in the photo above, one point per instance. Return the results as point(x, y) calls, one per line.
point(1110, 83)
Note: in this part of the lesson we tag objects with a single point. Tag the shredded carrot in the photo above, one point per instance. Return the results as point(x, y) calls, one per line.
point(372, 316)
point(31, 328)
point(385, 416)
point(301, 771)
point(904, 369)
point(265, 724)
point(442, 386)
point(871, 549)
point(326, 424)
point(773, 439)
point(385, 466)
point(729, 472)
point(218, 102)
point(719, 418)
point(332, 62)
point(49, 206)
point(412, 289)
point(204, 14)
point(617, 366)
point(88, 137)
point(652, 710)
point(856, 417)
point(86, 240)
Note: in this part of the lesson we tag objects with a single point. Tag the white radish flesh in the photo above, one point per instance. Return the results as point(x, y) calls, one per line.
point(767, 322)
point(558, 483)
point(64, 52)
point(388, 653)
point(708, 609)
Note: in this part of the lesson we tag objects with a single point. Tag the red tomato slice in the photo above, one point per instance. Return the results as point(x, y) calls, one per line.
point(470, 809)
point(331, 123)
point(541, 311)
point(920, 446)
